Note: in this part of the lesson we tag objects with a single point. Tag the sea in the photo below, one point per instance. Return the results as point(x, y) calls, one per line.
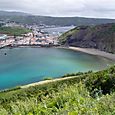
point(20, 66)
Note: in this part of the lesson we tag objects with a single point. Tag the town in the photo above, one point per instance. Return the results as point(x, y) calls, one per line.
point(37, 37)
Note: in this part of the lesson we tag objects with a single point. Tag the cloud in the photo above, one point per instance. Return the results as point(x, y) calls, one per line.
point(87, 8)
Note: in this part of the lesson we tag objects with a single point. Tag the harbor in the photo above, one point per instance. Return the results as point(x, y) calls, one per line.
point(29, 39)
point(46, 37)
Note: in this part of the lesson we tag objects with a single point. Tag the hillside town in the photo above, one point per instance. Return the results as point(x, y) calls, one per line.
point(35, 38)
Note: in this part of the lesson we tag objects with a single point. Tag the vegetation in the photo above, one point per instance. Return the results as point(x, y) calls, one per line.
point(64, 37)
point(47, 78)
point(15, 31)
point(86, 94)
point(1, 24)
point(24, 18)
point(101, 37)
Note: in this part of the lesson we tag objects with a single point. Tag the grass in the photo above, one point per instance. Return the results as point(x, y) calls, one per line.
point(47, 78)
point(85, 94)
point(15, 31)
point(100, 37)
point(63, 37)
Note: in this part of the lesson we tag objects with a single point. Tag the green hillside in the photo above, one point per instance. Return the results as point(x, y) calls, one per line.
point(25, 18)
point(83, 94)
point(101, 37)
point(15, 31)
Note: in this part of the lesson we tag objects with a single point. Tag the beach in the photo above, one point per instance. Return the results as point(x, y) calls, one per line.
point(94, 52)
point(47, 81)
point(85, 50)
point(35, 64)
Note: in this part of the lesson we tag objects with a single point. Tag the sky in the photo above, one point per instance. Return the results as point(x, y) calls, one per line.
point(70, 8)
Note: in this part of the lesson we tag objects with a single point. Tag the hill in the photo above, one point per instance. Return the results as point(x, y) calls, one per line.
point(25, 18)
point(101, 37)
point(91, 93)
point(14, 31)
point(8, 13)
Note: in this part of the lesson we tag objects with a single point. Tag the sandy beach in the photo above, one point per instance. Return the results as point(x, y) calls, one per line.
point(47, 81)
point(85, 50)
point(94, 52)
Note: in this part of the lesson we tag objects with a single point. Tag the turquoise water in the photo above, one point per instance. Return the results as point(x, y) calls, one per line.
point(26, 65)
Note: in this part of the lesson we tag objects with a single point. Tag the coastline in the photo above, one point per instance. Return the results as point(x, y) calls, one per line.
point(93, 52)
point(46, 81)
point(85, 50)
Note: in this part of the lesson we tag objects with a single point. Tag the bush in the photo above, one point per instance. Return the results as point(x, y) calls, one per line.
point(87, 94)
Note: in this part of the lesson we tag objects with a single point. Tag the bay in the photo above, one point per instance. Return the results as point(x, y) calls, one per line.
point(27, 65)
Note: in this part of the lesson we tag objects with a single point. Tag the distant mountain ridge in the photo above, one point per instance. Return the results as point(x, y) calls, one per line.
point(13, 13)
point(25, 18)
point(101, 37)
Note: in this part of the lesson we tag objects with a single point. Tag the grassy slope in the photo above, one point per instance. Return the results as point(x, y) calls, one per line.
point(15, 31)
point(89, 93)
point(101, 37)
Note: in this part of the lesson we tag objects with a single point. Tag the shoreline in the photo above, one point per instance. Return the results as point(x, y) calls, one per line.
point(85, 50)
point(92, 51)
point(46, 82)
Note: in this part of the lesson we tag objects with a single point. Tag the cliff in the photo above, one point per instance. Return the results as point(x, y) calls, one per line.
point(100, 37)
